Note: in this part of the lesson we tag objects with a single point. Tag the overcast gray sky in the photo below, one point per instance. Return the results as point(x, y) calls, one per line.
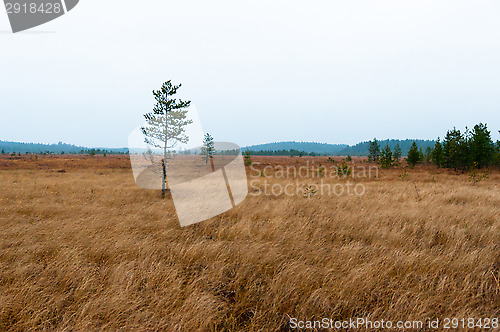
point(257, 71)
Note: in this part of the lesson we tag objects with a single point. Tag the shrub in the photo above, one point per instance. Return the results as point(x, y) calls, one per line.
point(344, 169)
point(248, 158)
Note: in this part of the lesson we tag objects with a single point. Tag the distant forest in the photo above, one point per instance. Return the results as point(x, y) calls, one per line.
point(458, 150)
point(289, 148)
point(361, 149)
point(285, 148)
point(461, 150)
point(59, 148)
point(314, 149)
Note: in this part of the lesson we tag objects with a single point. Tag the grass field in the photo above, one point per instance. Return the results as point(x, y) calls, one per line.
point(83, 248)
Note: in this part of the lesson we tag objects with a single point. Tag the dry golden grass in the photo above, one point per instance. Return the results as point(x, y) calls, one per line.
point(87, 249)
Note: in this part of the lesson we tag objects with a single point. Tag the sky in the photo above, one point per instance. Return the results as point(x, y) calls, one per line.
point(257, 71)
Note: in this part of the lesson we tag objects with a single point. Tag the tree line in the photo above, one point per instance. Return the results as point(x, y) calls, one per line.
point(91, 152)
point(458, 150)
point(362, 149)
point(291, 153)
point(59, 148)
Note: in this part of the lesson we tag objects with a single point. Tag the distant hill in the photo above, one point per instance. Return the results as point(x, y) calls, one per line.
point(306, 147)
point(17, 147)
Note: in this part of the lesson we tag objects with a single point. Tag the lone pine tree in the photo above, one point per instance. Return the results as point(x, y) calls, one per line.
point(208, 150)
point(166, 125)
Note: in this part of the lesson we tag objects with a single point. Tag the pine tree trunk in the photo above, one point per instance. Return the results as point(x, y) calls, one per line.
point(164, 180)
point(212, 163)
point(164, 160)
